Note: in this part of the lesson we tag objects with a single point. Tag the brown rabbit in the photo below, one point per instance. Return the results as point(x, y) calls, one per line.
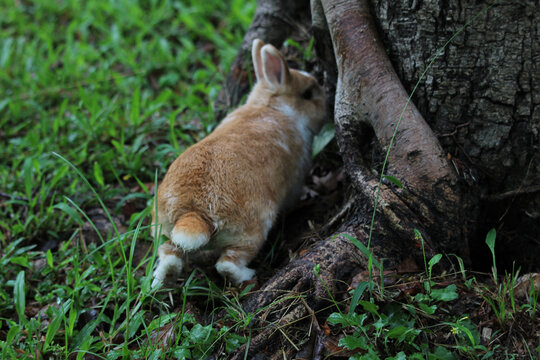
point(227, 190)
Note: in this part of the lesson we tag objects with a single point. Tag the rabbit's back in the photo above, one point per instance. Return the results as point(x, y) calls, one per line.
point(245, 170)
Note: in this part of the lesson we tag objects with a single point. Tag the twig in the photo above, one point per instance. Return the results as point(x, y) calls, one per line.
point(456, 128)
point(12, 197)
point(341, 214)
point(316, 346)
point(511, 193)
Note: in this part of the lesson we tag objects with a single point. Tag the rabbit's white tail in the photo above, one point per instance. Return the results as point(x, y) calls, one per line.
point(191, 232)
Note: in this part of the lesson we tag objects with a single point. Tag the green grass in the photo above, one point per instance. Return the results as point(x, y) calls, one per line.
point(96, 99)
point(117, 89)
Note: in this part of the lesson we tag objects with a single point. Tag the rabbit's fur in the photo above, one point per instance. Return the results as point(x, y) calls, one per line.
point(227, 190)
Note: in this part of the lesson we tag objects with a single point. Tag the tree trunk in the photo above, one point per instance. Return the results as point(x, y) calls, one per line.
point(481, 98)
point(465, 154)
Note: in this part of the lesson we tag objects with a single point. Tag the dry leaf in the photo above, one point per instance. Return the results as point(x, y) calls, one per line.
point(325, 328)
point(523, 285)
point(164, 336)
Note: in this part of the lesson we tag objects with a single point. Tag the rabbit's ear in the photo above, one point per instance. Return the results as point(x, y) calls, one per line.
point(275, 69)
point(256, 56)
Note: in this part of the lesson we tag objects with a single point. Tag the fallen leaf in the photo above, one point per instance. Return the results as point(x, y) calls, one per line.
point(524, 283)
point(410, 288)
point(102, 224)
point(325, 328)
point(328, 182)
point(39, 264)
point(331, 345)
point(165, 336)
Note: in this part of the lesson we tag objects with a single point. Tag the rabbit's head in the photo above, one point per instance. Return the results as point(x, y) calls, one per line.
point(295, 93)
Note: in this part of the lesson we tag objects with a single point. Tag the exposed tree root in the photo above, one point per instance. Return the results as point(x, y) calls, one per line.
point(337, 261)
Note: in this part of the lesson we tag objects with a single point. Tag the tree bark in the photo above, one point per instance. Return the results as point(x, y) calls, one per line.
point(481, 98)
point(369, 92)
point(466, 156)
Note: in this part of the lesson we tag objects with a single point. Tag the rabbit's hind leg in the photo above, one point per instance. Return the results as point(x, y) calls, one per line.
point(233, 262)
point(169, 266)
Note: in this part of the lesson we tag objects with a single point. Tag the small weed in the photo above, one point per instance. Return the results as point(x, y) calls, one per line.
point(468, 340)
point(308, 53)
point(490, 242)
point(399, 323)
point(503, 300)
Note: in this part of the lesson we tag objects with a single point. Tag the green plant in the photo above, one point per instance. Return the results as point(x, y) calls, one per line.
point(503, 301)
point(308, 52)
point(505, 289)
point(379, 331)
point(446, 294)
point(376, 330)
point(490, 242)
point(468, 339)
point(532, 305)
point(323, 138)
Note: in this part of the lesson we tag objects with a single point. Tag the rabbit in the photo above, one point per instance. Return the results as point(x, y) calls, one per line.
point(226, 191)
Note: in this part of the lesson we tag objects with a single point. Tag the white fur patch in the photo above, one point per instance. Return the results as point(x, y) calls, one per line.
point(270, 121)
point(281, 140)
point(168, 265)
point(267, 218)
point(283, 146)
point(188, 242)
point(301, 122)
point(237, 274)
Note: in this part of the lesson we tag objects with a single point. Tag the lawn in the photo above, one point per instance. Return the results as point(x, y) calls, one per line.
point(96, 99)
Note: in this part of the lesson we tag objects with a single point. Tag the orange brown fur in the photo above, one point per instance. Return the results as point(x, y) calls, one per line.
point(192, 222)
point(234, 182)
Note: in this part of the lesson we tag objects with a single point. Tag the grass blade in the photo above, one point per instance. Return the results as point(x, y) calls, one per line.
point(54, 325)
point(363, 249)
point(19, 295)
